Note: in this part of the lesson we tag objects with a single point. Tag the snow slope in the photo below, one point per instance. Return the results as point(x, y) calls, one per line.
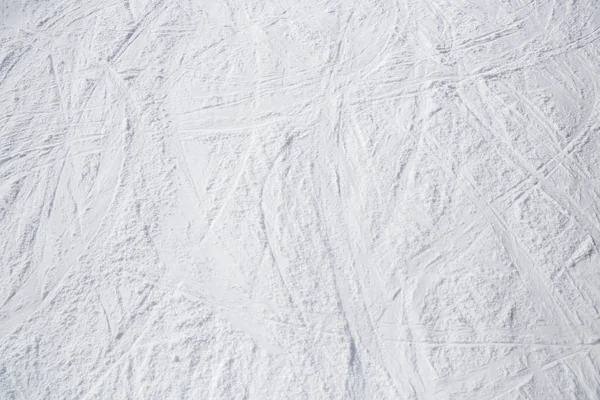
point(244, 199)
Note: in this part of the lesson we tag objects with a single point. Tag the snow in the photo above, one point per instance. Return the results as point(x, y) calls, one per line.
point(243, 199)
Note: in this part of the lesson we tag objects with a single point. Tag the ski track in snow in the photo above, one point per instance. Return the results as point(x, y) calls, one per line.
point(286, 199)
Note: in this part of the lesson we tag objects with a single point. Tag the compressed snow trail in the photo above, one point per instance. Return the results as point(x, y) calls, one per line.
point(242, 199)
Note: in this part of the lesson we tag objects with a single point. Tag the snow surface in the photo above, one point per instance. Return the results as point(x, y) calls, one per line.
point(244, 199)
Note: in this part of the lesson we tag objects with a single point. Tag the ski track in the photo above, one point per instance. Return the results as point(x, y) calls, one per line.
point(300, 200)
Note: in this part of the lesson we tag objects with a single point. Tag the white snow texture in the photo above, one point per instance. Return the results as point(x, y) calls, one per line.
point(289, 199)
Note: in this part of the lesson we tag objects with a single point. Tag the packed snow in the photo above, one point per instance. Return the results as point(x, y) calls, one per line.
point(284, 199)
